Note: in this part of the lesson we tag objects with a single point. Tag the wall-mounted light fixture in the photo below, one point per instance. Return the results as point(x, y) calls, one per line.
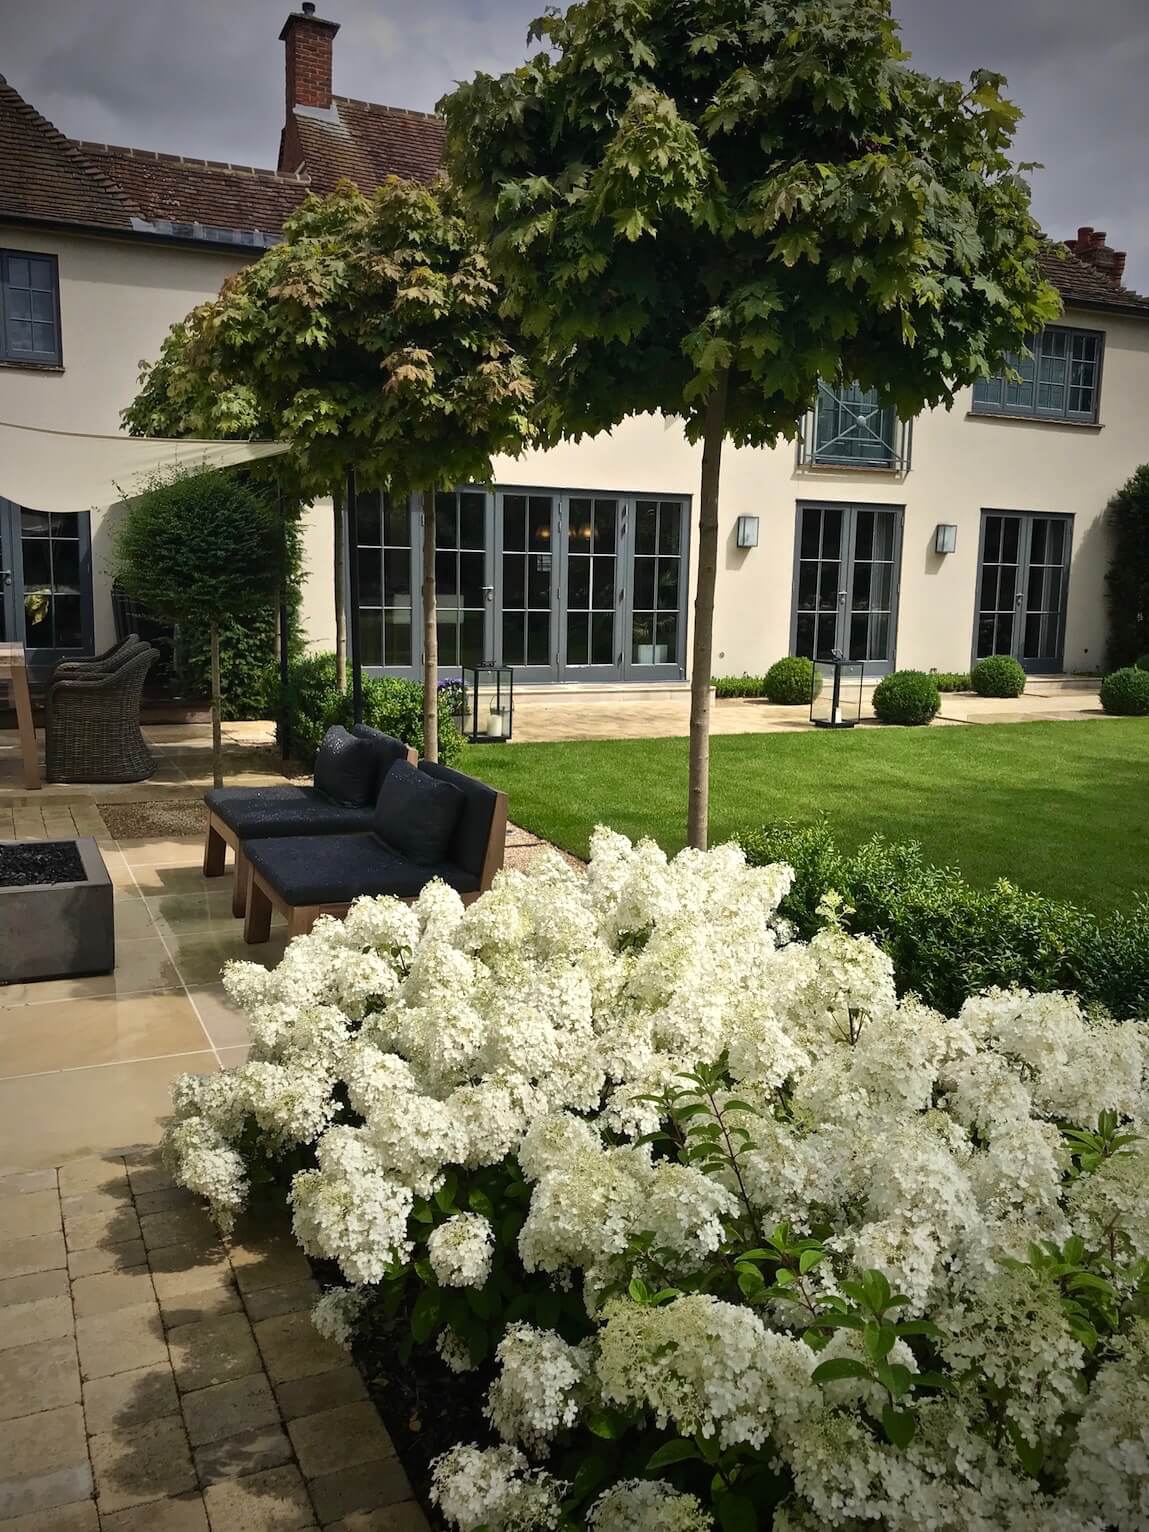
point(945, 538)
point(746, 532)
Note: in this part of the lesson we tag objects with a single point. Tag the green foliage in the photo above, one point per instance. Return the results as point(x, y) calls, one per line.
point(949, 939)
point(370, 336)
point(201, 548)
point(998, 675)
point(1127, 581)
point(951, 680)
point(792, 681)
point(1126, 691)
point(390, 703)
point(907, 697)
point(673, 193)
point(1143, 662)
point(738, 686)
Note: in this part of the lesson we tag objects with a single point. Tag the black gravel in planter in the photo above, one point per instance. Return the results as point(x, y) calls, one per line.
point(40, 862)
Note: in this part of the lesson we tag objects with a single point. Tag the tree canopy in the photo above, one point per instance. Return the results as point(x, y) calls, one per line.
point(369, 337)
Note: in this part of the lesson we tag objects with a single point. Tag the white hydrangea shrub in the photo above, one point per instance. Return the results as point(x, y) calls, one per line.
point(408, 1050)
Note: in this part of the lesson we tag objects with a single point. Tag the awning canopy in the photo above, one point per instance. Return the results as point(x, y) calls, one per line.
point(68, 471)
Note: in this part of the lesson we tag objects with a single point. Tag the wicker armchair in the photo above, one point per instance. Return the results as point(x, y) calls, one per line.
point(96, 664)
point(92, 725)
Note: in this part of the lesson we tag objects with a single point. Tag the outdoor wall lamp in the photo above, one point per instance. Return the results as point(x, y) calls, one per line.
point(746, 532)
point(945, 538)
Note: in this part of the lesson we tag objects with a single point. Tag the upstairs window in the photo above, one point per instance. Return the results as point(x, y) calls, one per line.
point(29, 309)
point(849, 427)
point(1059, 380)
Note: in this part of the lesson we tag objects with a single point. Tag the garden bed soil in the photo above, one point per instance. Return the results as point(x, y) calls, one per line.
point(40, 863)
point(159, 818)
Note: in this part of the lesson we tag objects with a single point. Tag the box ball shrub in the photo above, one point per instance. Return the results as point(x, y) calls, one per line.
point(790, 682)
point(1126, 692)
point(907, 697)
point(999, 675)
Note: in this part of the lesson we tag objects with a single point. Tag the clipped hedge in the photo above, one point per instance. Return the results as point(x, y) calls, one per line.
point(948, 939)
point(998, 675)
point(952, 680)
point(907, 697)
point(390, 703)
point(1126, 692)
point(738, 686)
point(791, 681)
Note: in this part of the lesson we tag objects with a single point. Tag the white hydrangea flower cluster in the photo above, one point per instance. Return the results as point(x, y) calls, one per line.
point(337, 1312)
point(411, 1047)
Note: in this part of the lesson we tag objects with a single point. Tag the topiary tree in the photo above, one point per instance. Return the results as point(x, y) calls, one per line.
point(791, 681)
point(907, 697)
point(201, 548)
point(371, 338)
point(1127, 582)
point(1126, 692)
point(998, 675)
point(702, 207)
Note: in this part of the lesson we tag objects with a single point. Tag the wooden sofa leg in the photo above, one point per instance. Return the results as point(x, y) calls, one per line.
point(239, 889)
point(300, 919)
point(257, 919)
point(214, 853)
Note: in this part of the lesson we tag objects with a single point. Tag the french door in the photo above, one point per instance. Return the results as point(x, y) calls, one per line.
point(1023, 576)
point(847, 572)
point(45, 584)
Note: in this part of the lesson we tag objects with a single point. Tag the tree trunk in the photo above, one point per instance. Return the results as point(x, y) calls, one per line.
point(714, 432)
point(430, 633)
point(216, 715)
point(337, 502)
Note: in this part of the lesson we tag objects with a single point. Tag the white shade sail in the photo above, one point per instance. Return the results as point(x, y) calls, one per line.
point(68, 471)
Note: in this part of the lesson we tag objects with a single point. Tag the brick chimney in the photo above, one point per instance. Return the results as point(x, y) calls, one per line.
point(307, 41)
point(1090, 247)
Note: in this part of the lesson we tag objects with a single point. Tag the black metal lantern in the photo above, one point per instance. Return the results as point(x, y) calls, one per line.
point(488, 704)
point(836, 692)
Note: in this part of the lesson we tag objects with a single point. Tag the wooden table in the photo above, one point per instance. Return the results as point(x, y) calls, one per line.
point(13, 665)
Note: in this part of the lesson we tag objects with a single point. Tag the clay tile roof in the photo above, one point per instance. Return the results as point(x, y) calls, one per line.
point(366, 143)
point(1080, 283)
point(42, 175)
point(182, 190)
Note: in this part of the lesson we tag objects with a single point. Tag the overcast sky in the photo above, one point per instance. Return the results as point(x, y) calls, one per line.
point(205, 77)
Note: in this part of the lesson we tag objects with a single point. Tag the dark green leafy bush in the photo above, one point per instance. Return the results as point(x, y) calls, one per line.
point(908, 697)
point(1126, 692)
point(998, 675)
point(791, 681)
point(739, 686)
point(1127, 581)
point(948, 939)
point(1143, 662)
point(389, 703)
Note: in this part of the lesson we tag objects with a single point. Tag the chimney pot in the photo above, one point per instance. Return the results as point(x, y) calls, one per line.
point(1084, 234)
point(1098, 239)
point(1118, 272)
point(308, 7)
point(307, 39)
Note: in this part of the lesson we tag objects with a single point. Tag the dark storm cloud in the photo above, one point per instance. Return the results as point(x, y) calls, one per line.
point(205, 77)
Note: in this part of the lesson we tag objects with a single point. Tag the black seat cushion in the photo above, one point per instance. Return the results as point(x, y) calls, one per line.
point(387, 749)
point(468, 847)
point(347, 768)
point(257, 812)
point(338, 868)
point(416, 814)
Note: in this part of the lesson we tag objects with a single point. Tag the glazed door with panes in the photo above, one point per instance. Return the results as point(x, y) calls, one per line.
point(45, 584)
point(1022, 583)
point(464, 578)
point(527, 582)
point(657, 590)
point(846, 583)
point(591, 589)
point(390, 634)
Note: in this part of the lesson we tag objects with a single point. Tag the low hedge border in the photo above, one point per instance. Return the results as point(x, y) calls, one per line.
point(948, 939)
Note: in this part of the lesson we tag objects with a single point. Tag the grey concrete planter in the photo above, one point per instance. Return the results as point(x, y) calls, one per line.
point(58, 930)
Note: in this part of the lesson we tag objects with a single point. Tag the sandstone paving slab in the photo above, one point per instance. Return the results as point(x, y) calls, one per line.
point(42, 1319)
point(363, 1488)
point(339, 1438)
point(39, 1252)
point(122, 1341)
point(245, 1404)
point(213, 1351)
point(121, 1256)
point(34, 1213)
point(81, 1516)
point(97, 1230)
point(293, 1348)
point(24, 1181)
point(162, 1200)
point(112, 1290)
point(406, 1516)
point(99, 1174)
point(141, 1463)
point(266, 1302)
point(186, 1308)
point(246, 1452)
point(33, 1286)
point(182, 1513)
point(42, 1376)
point(130, 1398)
point(275, 1501)
point(181, 1225)
point(320, 1391)
point(43, 1461)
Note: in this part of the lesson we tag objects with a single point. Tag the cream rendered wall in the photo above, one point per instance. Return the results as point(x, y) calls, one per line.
point(118, 299)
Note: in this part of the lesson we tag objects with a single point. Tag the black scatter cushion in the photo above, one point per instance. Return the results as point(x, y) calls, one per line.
point(416, 815)
point(346, 768)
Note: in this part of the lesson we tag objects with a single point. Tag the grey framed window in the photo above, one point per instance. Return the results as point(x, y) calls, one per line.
point(847, 568)
point(46, 583)
point(591, 585)
point(849, 427)
point(385, 580)
point(656, 599)
point(1059, 380)
point(29, 308)
point(463, 587)
point(1023, 582)
point(527, 590)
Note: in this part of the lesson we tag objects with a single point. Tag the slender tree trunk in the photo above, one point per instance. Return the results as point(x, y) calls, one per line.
point(430, 633)
point(714, 432)
point(216, 716)
point(338, 506)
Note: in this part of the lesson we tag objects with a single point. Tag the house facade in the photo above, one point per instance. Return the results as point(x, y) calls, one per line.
point(929, 543)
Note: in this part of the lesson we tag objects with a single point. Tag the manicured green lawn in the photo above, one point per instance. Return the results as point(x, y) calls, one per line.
point(1058, 807)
